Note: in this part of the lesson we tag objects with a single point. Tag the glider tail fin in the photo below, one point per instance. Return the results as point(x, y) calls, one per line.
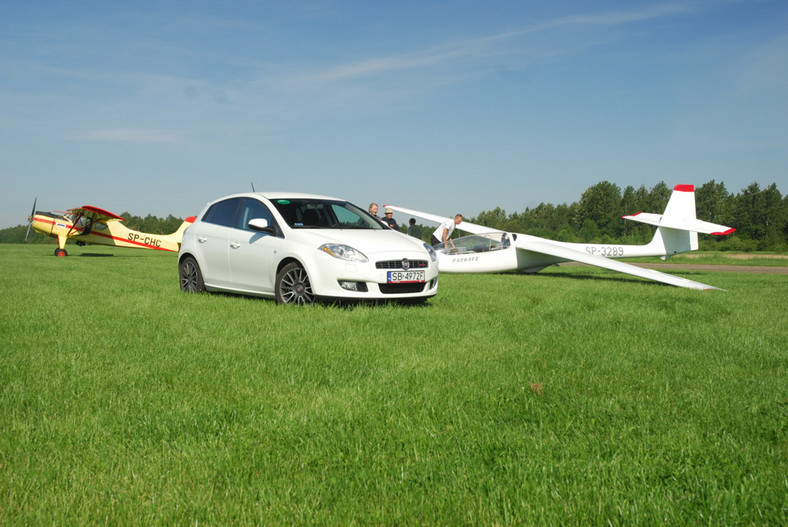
point(678, 227)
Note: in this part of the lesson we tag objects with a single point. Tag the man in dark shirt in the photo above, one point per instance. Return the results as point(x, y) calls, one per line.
point(389, 218)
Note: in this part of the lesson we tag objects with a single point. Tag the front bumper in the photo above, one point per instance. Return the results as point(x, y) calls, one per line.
point(334, 278)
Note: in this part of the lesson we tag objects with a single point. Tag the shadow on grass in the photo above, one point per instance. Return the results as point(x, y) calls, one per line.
point(345, 304)
point(602, 278)
point(619, 277)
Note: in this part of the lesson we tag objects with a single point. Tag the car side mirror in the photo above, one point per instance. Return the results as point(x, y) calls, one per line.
point(260, 225)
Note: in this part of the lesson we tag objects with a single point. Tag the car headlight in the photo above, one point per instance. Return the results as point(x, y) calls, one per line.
point(433, 254)
point(343, 252)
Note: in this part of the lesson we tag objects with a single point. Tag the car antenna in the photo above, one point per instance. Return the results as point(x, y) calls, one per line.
point(252, 183)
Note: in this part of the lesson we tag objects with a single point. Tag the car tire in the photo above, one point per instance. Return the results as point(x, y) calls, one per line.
point(292, 285)
point(191, 276)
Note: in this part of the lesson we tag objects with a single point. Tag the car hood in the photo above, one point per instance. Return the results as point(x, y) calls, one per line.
point(368, 242)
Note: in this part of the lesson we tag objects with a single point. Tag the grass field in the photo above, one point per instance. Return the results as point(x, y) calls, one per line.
point(723, 258)
point(575, 396)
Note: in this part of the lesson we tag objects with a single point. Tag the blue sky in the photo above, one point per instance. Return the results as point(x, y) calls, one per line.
point(456, 106)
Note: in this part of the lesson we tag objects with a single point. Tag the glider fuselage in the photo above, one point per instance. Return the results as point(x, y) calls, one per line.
point(486, 254)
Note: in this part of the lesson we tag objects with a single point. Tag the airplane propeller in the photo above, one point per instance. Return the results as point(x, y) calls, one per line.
point(30, 218)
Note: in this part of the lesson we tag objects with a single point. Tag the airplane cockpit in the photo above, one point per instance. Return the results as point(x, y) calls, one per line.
point(82, 224)
point(478, 243)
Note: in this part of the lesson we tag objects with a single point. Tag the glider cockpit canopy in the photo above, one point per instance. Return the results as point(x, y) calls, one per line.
point(479, 243)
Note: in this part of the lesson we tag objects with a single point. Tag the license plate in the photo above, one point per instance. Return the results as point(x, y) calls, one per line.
point(399, 277)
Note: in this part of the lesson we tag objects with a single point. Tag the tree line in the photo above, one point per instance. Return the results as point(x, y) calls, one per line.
point(759, 215)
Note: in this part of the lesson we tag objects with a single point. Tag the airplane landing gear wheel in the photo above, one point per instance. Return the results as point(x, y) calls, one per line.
point(60, 252)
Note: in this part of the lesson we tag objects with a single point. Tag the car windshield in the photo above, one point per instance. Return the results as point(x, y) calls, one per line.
point(303, 213)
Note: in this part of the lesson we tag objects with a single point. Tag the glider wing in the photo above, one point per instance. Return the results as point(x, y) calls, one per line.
point(543, 247)
point(463, 226)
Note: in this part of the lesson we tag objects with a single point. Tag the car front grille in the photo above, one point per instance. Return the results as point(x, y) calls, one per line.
point(394, 289)
point(397, 264)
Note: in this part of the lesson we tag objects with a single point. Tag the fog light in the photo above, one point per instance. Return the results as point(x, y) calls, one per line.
point(359, 287)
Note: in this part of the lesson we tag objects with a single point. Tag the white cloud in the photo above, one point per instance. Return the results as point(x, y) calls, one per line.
point(485, 47)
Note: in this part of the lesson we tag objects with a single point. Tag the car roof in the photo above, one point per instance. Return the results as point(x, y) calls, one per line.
point(277, 195)
point(271, 196)
point(294, 195)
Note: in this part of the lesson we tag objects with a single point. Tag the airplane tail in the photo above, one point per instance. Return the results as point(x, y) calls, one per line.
point(177, 236)
point(678, 227)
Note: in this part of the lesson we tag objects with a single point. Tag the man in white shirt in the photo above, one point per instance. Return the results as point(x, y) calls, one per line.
point(443, 233)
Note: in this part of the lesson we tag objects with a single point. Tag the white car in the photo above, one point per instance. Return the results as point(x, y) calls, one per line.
point(299, 248)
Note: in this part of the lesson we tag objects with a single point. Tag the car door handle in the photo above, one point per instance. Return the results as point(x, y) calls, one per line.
point(235, 245)
point(202, 239)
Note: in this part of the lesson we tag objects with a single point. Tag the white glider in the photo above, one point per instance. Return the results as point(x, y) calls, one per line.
point(491, 250)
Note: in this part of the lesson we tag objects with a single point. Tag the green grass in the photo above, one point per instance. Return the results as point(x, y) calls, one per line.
point(575, 396)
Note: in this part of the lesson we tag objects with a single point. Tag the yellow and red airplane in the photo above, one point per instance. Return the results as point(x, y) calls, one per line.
point(88, 224)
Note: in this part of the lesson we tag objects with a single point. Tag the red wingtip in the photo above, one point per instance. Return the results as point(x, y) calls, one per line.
point(724, 233)
point(685, 188)
point(191, 219)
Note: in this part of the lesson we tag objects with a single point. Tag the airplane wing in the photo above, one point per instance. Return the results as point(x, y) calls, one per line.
point(95, 213)
point(566, 253)
point(463, 226)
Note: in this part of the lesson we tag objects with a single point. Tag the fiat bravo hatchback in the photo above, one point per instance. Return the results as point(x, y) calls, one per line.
point(299, 248)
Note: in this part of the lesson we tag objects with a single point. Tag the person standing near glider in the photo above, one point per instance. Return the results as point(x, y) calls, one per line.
point(443, 233)
point(413, 229)
point(388, 219)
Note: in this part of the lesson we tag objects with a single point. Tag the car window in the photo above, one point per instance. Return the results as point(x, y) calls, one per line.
point(252, 209)
point(223, 213)
point(324, 214)
point(345, 217)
